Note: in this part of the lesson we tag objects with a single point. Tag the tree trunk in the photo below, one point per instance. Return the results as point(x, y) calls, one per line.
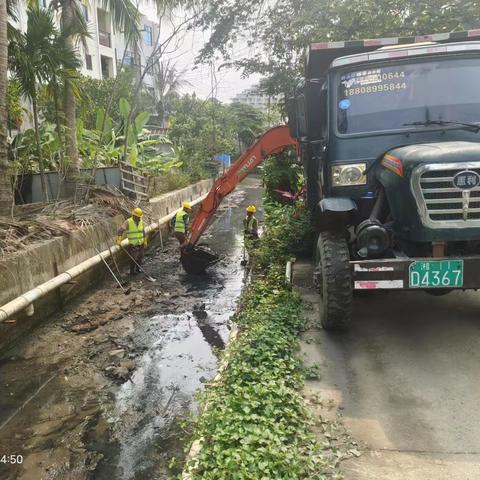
point(69, 110)
point(61, 144)
point(39, 150)
point(59, 128)
point(6, 195)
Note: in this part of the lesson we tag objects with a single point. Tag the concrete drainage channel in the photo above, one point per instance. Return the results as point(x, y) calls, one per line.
point(107, 388)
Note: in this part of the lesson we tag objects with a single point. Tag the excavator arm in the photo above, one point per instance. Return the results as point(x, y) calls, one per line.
point(272, 141)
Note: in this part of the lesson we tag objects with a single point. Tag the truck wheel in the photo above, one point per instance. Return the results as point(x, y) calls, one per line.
point(334, 280)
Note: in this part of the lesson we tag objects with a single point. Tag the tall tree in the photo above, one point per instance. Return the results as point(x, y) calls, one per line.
point(125, 18)
point(281, 31)
point(6, 196)
point(192, 126)
point(41, 56)
point(168, 83)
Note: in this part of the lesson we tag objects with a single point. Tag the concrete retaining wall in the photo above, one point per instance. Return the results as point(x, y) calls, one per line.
point(169, 202)
point(43, 261)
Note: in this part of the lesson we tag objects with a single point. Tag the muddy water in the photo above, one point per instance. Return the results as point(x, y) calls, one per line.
point(62, 411)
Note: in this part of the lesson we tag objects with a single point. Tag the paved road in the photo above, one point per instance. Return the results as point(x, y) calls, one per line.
point(407, 378)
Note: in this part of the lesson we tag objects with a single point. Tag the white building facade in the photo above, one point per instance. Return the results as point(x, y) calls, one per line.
point(106, 48)
point(254, 97)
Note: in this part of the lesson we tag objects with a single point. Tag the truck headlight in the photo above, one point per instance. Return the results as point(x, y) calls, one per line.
point(352, 174)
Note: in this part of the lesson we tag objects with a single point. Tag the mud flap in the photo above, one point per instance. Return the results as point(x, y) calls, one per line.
point(197, 259)
point(334, 214)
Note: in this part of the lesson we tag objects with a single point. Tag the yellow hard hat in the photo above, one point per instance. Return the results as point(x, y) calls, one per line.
point(187, 205)
point(137, 212)
point(251, 209)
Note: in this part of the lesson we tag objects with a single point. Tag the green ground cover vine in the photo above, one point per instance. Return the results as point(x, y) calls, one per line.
point(255, 424)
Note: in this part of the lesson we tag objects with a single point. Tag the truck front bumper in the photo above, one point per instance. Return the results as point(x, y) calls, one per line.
point(393, 274)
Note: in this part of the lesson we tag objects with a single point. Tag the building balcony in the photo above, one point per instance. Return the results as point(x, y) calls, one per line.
point(104, 38)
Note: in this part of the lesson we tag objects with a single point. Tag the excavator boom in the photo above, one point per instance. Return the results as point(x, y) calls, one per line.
point(273, 141)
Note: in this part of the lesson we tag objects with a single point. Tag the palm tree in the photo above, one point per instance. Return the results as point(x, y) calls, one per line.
point(126, 18)
point(168, 83)
point(63, 65)
point(6, 196)
point(7, 8)
point(40, 56)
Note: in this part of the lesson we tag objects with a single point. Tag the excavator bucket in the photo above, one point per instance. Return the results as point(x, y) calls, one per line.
point(196, 260)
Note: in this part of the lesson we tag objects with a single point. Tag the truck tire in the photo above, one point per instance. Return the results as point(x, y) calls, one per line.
point(334, 280)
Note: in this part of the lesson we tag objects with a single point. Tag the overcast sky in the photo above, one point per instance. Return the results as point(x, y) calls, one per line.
point(229, 82)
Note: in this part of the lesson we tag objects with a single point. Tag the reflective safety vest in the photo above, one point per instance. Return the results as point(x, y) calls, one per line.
point(135, 232)
point(249, 224)
point(180, 224)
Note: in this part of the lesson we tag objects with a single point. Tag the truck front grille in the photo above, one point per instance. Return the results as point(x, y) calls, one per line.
point(440, 203)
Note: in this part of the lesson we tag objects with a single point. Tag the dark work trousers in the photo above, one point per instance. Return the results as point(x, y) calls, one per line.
point(251, 240)
point(181, 237)
point(137, 252)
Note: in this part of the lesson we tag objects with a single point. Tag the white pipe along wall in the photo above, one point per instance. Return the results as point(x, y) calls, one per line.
point(26, 299)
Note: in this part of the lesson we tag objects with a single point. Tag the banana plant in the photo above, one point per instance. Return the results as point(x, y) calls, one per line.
point(105, 145)
point(23, 149)
point(134, 130)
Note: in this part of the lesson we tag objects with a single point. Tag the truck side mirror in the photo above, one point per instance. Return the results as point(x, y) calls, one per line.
point(323, 112)
point(301, 115)
point(317, 109)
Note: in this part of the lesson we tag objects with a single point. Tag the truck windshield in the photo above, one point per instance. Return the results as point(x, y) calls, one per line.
point(387, 98)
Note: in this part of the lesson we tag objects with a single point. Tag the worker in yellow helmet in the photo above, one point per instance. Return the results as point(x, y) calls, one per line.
point(180, 223)
point(137, 241)
point(250, 224)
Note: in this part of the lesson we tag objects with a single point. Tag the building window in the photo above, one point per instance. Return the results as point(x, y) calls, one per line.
point(148, 35)
point(107, 67)
point(129, 58)
point(88, 62)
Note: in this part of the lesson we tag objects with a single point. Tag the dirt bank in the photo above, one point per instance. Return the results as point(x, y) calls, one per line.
point(103, 389)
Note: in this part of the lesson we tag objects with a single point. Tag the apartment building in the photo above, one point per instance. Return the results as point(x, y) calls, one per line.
point(105, 50)
point(137, 56)
point(254, 97)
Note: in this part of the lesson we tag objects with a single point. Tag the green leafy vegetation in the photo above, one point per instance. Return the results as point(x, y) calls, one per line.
point(282, 172)
point(287, 234)
point(200, 129)
point(104, 143)
point(23, 149)
point(255, 423)
point(102, 94)
point(100, 146)
point(14, 105)
point(180, 158)
point(284, 29)
point(40, 56)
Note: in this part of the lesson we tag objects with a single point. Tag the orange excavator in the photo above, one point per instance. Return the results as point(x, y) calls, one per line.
point(195, 259)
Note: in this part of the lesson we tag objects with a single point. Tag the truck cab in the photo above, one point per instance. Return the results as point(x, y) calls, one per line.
point(389, 134)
